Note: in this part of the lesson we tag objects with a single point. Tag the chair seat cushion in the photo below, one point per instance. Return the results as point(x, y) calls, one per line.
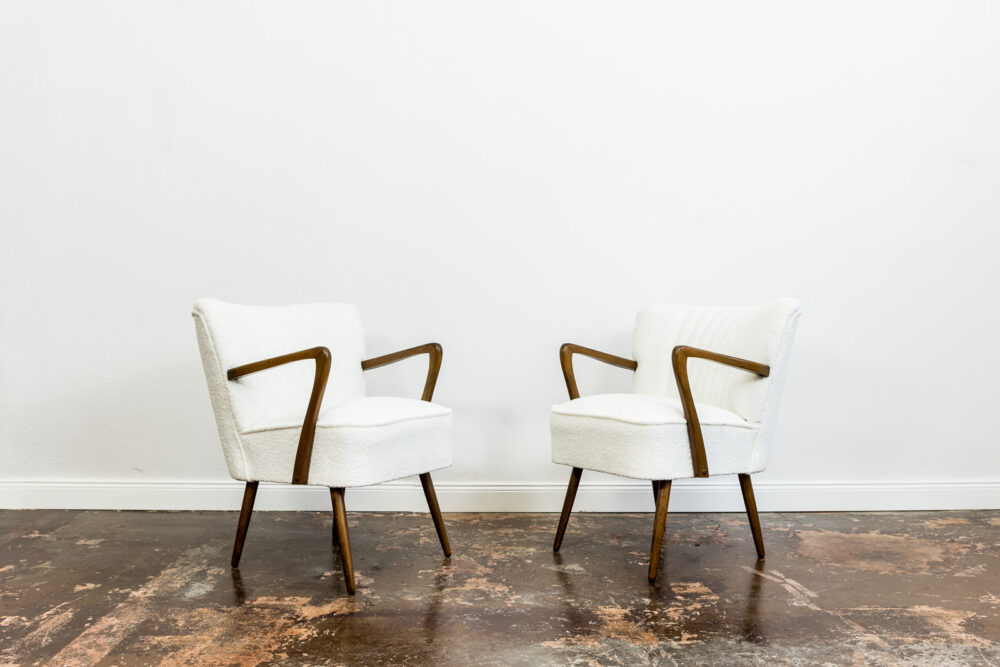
point(644, 436)
point(366, 441)
point(370, 411)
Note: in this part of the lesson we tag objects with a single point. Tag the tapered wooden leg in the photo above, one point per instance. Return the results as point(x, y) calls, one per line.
point(656, 490)
point(249, 495)
point(659, 525)
point(574, 482)
point(432, 504)
point(340, 518)
point(334, 539)
point(751, 505)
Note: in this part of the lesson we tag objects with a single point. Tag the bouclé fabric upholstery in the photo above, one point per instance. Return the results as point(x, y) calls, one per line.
point(360, 440)
point(644, 434)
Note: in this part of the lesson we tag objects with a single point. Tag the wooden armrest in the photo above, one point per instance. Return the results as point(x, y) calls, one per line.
point(679, 358)
point(303, 456)
point(435, 353)
point(566, 353)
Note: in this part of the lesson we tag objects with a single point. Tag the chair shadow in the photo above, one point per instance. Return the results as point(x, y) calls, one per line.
point(432, 613)
point(578, 622)
point(751, 619)
point(239, 591)
point(660, 597)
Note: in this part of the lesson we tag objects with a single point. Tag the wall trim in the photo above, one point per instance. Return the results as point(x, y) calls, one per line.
point(717, 495)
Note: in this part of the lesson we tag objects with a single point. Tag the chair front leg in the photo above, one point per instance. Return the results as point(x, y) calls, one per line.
point(432, 504)
point(334, 538)
point(249, 495)
point(659, 525)
point(340, 518)
point(574, 483)
point(751, 505)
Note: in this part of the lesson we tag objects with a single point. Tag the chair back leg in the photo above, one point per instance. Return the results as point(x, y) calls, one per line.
point(659, 525)
point(340, 520)
point(574, 482)
point(249, 495)
point(751, 505)
point(432, 505)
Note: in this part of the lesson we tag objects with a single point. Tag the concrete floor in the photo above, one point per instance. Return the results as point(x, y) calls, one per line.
point(119, 588)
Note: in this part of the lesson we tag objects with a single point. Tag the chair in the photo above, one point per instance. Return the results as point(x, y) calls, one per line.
point(276, 426)
point(678, 421)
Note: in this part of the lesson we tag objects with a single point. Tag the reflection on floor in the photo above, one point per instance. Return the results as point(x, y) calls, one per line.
point(148, 587)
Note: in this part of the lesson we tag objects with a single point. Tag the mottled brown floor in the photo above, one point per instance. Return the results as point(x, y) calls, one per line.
point(151, 587)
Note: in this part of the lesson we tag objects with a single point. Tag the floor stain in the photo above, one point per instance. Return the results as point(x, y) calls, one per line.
point(122, 588)
point(874, 551)
point(618, 626)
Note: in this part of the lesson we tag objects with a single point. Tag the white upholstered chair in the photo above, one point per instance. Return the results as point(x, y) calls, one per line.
point(683, 418)
point(304, 423)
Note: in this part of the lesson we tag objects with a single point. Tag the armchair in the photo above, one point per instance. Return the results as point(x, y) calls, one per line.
point(344, 438)
point(678, 421)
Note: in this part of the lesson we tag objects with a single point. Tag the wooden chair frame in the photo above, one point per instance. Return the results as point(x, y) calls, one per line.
point(303, 455)
point(661, 488)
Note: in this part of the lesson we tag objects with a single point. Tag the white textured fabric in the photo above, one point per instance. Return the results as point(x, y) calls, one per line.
point(618, 436)
point(643, 436)
point(358, 440)
point(762, 334)
point(244, 334)
point(372, 411)
point(363, 442)
point(645, 410)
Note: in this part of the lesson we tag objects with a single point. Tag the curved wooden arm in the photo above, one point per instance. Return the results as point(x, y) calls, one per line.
point(435, 352)
point(566, 353)
point(679, 358)
point(303, 456)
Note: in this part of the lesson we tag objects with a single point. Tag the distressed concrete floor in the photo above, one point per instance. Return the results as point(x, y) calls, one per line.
point(152, 587)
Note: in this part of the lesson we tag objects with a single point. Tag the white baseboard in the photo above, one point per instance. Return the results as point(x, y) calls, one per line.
point(716, 495)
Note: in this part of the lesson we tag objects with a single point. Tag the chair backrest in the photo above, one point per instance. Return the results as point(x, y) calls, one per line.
point(231, 335)
point(761, 333)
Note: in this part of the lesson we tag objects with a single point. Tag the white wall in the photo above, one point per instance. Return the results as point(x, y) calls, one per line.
point(501, 177)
